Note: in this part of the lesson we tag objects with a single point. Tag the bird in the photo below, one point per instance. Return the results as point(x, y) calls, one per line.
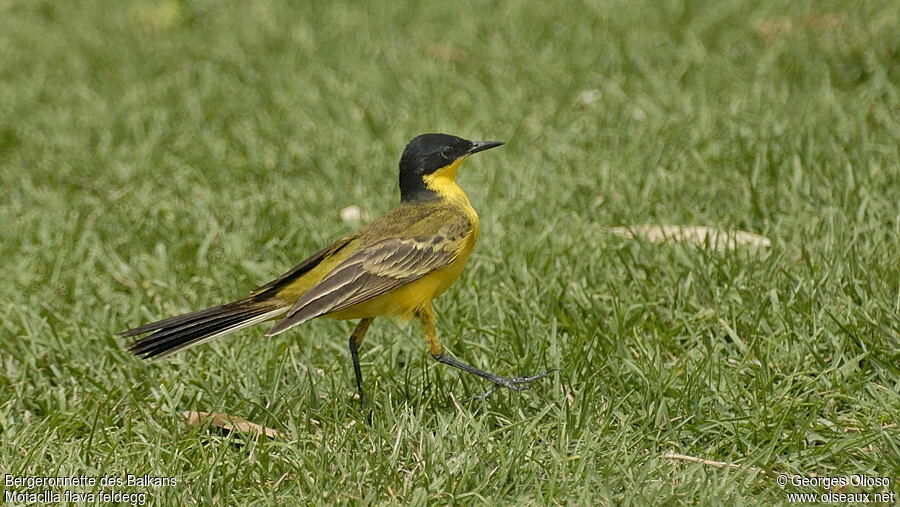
point(392, 267)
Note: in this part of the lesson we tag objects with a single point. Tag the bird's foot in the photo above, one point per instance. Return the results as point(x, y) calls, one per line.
point(515, 383)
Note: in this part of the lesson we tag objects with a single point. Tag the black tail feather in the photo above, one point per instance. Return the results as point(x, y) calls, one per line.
point(165, 341)
point(177, 333)
point(198, 324)
point(181, 319)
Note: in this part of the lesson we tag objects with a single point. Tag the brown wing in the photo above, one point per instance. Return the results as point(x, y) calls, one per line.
point(375, 270)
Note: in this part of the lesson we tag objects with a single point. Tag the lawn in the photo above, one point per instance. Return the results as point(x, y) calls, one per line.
point(159, 156)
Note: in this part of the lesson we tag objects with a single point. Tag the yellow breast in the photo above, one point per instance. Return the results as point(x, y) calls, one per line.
point(404, 301)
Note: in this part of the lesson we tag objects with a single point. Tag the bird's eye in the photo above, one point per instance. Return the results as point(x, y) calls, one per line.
point(447, 153)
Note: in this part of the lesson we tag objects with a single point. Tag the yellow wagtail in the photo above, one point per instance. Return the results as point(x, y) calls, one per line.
point(393, 266)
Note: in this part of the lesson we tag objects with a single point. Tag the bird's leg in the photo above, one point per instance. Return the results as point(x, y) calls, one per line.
point(426, 318)
point(356, 339)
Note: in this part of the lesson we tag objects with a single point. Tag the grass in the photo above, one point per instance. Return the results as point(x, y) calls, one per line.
point(162, 156)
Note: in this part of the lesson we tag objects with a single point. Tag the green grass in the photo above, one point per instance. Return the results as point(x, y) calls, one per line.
point(158, 157)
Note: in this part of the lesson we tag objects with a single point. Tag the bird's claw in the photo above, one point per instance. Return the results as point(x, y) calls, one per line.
point(520, 381)
point(514, 384)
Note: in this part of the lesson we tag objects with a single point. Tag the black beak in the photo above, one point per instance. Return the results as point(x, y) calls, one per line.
point(483, 145)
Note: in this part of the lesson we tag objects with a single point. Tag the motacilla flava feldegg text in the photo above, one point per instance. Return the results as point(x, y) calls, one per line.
point(394, 266)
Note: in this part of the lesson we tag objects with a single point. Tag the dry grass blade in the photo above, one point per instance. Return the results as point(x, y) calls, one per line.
point(228, 422)
point(702, 461)
point(718, 464)
point(697, 234)
point(777, 28)
point(445, 53)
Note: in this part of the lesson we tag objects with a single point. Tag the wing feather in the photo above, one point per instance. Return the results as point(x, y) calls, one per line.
point(272, 288)
point(377, 269)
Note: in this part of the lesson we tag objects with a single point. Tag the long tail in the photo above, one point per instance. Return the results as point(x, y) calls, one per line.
point(178, 333)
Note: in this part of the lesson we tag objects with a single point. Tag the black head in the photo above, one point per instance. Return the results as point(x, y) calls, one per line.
point(427, 154)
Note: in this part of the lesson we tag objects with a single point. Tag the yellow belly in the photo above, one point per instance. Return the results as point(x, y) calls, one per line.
point(404, 301)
